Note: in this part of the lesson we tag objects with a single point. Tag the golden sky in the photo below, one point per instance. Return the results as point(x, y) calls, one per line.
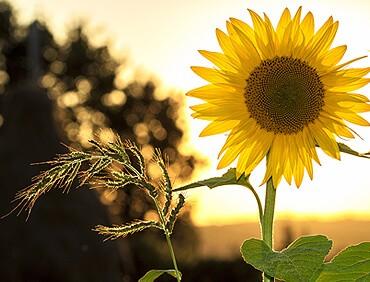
point(162, 37)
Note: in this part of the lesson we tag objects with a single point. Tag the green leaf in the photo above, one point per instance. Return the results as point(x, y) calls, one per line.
point(301, 261)
point(229, 178)
point(346, 149)
point(352, 264)
point(153, 274)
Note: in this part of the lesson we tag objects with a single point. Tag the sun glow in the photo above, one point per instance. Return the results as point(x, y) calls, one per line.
point(175, 33)
point(338, 190)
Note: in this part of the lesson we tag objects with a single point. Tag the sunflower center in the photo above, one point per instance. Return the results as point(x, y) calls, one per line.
point(284, 94)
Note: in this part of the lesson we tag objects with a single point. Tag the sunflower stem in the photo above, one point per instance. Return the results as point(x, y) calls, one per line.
point(268, 219)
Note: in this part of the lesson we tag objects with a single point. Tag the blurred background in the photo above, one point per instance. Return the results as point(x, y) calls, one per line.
point(72, 71)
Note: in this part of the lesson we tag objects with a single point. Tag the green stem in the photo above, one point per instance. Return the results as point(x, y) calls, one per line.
point(260, 211)
point(168, 239)
point(268, 219)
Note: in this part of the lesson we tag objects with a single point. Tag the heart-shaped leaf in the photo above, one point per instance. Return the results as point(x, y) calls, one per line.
point(153, 274)
point(351, 264)
point(228, 178)
point(303, 260)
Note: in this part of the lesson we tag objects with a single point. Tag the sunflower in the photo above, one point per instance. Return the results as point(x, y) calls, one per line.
point(279, 92)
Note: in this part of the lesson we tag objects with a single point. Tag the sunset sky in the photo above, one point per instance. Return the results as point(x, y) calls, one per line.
point(161, 38)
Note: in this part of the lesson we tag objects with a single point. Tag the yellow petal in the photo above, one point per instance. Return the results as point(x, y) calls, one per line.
point(354, 85)
point(236, 111)
point(259, 150)
point(217, 127)
point(230, 155)
point(219, 77)
point(296, 30)
point(297, 16)
point(338, 81)
point(211, 91)
point(246, 129)
point(323, 29)
point(288, 173)
point(308, 26)
point(248, 54)
point(211, 75)
point(259, 26)
point(330, 38)
point(335, 126)
point(298, 173)
point(285, 48)
point(343, 131)
point(274, 166)
point(360, 107)
point(320, 44)
point(325, 140)
point(220, 60)
point(225, 44)
point(354, 72)
point(243, 27)
point(355, 118)
point(271, 35)
point(346, 97)
point(309, 144)
point(308, 165)
point(284, 21)
point(333, 56)
point(338, 67)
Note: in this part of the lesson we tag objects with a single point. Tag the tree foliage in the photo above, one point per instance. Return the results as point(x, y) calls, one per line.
point(81, 82)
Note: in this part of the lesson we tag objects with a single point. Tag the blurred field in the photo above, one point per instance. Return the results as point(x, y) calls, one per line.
point(223, 242)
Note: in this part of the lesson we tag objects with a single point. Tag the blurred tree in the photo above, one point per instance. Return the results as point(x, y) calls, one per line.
point(83, 85)
point(57, 237)
point(288, 237)
point(84, 82)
